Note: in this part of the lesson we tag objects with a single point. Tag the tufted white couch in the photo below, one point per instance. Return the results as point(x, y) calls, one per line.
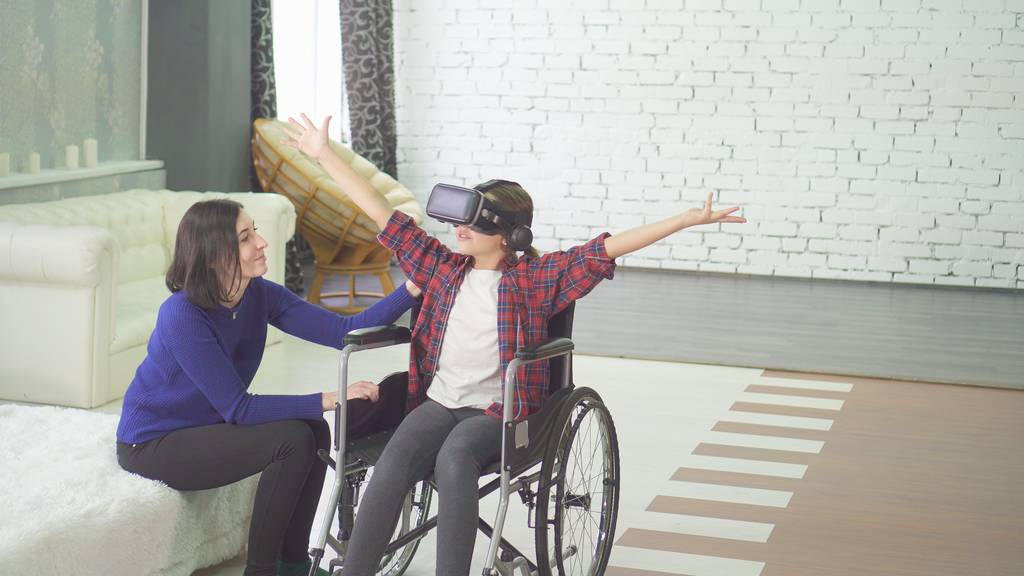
point(81, 281)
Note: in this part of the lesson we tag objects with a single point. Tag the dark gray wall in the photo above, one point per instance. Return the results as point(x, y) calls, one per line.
point(198, 105)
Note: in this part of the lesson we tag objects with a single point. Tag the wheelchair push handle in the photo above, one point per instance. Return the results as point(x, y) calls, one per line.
point(378, 336)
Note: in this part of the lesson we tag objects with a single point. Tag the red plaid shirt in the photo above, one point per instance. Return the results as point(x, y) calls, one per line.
point(529, 292)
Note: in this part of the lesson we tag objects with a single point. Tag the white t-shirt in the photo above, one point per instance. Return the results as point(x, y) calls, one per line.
point(469, 369)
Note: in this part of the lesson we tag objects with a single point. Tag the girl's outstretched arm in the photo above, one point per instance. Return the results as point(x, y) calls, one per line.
point(306, 138)
point(642, 236)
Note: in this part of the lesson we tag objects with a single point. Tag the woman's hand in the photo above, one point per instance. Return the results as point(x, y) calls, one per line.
point(363, 390)
point(328, 400)
point(306, 138)
point(414, 290)
point(705, 215)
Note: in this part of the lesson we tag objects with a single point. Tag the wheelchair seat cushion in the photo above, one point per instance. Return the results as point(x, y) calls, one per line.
point(369, 448)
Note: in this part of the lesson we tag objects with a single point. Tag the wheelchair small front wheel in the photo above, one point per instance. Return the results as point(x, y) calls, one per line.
point(578, 495)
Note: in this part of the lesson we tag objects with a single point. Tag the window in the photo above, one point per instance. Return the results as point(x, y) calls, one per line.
point(307, 63)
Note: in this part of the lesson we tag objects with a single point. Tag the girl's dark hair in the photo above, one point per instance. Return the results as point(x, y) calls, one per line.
point(206, 263)
point(513, 197)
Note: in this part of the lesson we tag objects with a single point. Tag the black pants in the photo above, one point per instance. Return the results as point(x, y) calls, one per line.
point(289, 488)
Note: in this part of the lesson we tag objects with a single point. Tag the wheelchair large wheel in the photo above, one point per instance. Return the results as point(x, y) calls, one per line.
point(578, 494)
point(415, 512)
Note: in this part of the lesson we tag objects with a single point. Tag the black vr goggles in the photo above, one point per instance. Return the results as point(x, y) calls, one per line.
point(469, 207)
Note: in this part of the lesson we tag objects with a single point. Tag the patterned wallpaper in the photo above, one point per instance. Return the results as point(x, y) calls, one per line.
point(69, 70)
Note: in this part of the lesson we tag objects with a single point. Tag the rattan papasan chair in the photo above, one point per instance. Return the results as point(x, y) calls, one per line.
point(343, 238)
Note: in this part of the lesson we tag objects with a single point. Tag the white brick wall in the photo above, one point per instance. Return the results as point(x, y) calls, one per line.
point(876, 140)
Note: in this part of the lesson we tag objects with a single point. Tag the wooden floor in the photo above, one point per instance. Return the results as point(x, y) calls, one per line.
point(907, 479)
point(923, 333)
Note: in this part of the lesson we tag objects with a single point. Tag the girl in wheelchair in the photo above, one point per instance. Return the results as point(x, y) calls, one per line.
point(479, 305)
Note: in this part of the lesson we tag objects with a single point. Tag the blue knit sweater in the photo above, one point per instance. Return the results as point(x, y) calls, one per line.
point(199, 363)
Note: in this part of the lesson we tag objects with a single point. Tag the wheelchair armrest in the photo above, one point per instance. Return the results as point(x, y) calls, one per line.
point(379, 335)
point(547, 349)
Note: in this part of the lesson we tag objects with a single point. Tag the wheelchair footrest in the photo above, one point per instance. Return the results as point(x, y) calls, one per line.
point(326, 457)
point(507, 564)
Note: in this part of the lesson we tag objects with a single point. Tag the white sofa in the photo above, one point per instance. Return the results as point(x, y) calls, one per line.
point(81, 281)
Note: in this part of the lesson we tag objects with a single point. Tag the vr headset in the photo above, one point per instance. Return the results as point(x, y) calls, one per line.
point(469, 207)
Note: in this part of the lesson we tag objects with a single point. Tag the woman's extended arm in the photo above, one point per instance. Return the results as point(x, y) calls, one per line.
point(321, 326)
point(194, 347)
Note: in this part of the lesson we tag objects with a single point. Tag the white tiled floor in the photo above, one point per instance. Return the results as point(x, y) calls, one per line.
point(661, 411)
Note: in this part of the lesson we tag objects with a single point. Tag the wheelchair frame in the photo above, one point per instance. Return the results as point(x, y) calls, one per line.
point(515, 436)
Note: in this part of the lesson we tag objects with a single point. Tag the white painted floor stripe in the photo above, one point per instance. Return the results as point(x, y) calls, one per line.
point(768, 442)
point(723, 464)
point(786, 400)
point(805, 384)
point(706, 526)
point(725, 493)
point(679, 563)
point(777, 420)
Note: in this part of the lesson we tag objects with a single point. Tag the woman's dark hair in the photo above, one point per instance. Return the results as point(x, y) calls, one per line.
point(206, 263)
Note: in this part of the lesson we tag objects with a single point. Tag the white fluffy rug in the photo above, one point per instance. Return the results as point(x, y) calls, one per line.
point(67, 508)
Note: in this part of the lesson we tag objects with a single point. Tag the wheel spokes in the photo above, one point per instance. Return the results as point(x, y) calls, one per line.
point(585, 491)
point(585, 481)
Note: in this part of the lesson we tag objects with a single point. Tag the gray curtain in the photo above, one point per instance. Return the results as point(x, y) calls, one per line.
point(263, 104)
point(262, 88)
point(367, 55)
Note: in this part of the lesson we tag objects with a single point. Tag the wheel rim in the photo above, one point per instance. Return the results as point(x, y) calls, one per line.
point(586, 491)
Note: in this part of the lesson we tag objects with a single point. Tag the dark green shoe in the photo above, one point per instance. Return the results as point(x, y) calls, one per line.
point(299, 569)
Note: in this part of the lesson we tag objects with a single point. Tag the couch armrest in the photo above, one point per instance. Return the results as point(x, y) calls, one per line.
point(57, 294)
point(43, 253)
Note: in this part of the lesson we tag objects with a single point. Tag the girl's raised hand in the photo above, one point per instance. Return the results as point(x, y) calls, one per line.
point(306, 138)
point(706, 215)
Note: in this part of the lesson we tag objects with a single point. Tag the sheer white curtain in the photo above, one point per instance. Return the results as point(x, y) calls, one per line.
point(307, 62)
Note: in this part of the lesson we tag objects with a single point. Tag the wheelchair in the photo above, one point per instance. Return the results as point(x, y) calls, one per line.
point(562, 461)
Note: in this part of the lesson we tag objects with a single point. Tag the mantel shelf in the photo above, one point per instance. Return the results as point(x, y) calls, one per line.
point(52, 176)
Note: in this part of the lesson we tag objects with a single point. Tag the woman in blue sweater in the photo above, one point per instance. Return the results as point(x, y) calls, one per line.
point(188, 419)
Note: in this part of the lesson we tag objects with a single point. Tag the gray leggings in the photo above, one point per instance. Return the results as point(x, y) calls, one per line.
point(456, 445)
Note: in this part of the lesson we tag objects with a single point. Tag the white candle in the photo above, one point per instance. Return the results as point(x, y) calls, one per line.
point(5, 164)
point(71, 157)
point(90, 152)
point(33, 163)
